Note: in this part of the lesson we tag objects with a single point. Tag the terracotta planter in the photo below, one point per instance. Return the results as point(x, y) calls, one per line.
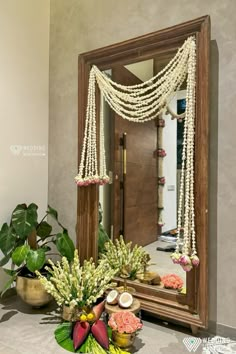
point(32, 291)
point(123, 340)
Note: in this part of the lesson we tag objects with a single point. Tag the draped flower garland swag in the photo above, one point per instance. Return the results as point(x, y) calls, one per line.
point(141, 103)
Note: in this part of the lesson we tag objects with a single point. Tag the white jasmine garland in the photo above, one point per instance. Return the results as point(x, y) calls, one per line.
point(140, 103)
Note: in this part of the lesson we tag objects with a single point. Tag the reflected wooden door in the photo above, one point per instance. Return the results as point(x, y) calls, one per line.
point(134, 193)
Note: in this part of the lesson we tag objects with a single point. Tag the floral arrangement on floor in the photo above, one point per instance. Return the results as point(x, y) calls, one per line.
point(172, 281)
point(127, 261)
point(124, 322)
point(77, 287)
point(88, 336)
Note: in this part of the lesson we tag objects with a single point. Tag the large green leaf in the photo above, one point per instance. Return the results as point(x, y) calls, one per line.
point(52, 212)
point(44, 229)
point(54, 215)
point(35, 259)
point(20, 254)
point(64, 339)
point(65, 246)
point(63, 331)
point(24, 219)
point(7, 238)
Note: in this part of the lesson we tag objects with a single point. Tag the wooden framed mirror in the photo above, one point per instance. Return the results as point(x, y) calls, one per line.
point(190, 308)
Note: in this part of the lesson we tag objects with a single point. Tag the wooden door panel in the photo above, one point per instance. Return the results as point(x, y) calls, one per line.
point(140, 196)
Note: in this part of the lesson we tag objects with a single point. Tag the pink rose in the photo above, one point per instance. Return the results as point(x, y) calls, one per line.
point(121, 329)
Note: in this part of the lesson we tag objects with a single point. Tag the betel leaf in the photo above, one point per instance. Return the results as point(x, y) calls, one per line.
point(35, 259)
point(24, 219)
point(7, 238)
point(44, 229)
point(52, 212)
point(67, 344)
point(65, 246)
point(63, 331)
point(63, 338)
point(20, 254)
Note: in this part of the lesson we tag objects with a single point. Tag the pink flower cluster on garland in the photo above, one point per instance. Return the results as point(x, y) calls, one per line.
point(161, 153)
point(185, 261)
point(161, 181)
point(83, 182)
point(124, 322)
point(161, 123)
point(172, 281)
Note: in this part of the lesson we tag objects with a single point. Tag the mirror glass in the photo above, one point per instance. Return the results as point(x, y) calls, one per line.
point(144, 164)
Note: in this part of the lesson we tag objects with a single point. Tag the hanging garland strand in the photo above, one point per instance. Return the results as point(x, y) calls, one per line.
point(141, 103)
point(186, 210)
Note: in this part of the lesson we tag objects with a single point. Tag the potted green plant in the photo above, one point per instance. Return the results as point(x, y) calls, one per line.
point(27, 243)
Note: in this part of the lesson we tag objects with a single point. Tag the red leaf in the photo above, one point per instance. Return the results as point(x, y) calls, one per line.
point(98, 309)
point(80, 333)
point(99, 331)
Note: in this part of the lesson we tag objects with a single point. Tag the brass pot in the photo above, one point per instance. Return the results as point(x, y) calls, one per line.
point(123, 340)
point(32, 291)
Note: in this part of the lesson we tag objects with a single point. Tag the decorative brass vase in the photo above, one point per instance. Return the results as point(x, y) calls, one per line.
point(123, 340)
point(32, 291)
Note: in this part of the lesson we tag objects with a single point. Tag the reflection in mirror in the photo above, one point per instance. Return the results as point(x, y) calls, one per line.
point(144, 164)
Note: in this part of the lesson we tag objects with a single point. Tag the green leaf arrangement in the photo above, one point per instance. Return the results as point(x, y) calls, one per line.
point(64, 339)
point(15, 245)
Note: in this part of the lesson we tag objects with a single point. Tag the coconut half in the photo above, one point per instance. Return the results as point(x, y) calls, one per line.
point(125, 300)
point(112, 297)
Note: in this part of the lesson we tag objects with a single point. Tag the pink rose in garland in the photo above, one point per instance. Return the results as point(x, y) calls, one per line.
point(172, 281)
point(124, 322)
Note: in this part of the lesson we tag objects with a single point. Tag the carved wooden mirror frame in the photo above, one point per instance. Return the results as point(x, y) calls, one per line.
point(191, 308)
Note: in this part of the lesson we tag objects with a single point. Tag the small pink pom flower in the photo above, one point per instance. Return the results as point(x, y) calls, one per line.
point(80, 183)
point(161, 153)
point(175, 258)
point(187, 267)
point(185, 260)
point(195, 260)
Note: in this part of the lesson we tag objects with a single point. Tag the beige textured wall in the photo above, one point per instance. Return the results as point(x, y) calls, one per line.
point(24, 96)
point(78, 26)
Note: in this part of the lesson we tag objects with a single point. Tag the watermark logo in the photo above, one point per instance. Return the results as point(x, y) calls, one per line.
point(28, 150)
point(192, 343)
point(16, 149)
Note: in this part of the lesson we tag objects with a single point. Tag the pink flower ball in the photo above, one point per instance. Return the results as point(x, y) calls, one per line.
point(79, 183)
point(187, 268)
point(185, 260)
point(195, 260)
point(175, 258)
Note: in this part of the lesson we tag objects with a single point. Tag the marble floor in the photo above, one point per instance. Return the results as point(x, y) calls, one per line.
point(161, 261)
point(24, 330)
